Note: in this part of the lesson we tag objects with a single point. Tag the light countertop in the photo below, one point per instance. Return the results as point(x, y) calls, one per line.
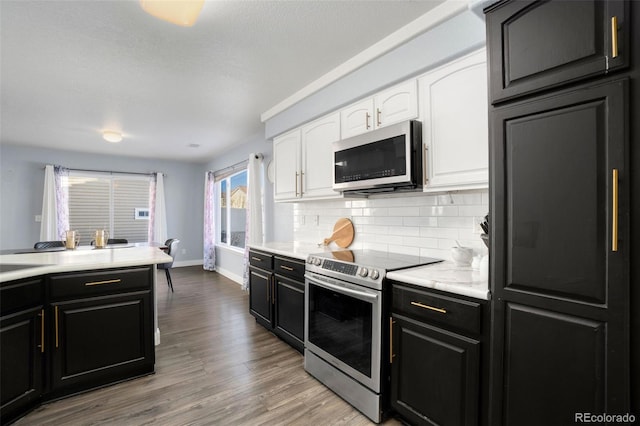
point(82, 258)
point(446, 276)
point(294, 249)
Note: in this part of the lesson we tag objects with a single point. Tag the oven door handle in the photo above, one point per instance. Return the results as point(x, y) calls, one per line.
point(345, 290)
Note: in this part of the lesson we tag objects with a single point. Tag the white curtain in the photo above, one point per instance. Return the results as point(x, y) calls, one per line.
point(209, 235)
point(158, 211)
point(253, 230)
point(55, 203)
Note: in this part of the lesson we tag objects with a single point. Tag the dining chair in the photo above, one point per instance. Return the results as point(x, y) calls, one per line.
point(117, 241)
point(48, 244)
point(172, 249)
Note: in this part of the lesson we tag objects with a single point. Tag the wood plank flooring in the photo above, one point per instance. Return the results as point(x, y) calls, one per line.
point(214, 366)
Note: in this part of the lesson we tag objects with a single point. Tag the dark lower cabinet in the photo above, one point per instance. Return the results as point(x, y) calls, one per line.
point(289, 314)
point(67, 333)
point(439, 357)
point(21, 345)
point(101, 340)
point(260, 300)
point(435, 374)
point(276, 295)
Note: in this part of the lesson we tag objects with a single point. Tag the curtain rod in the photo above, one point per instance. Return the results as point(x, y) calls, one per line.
point(239, 164)
point(114, 172)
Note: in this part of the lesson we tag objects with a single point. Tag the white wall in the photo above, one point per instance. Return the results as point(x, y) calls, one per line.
point(453, 38)
point(417, 224)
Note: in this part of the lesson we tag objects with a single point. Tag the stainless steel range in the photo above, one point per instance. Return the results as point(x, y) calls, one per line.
point(346, 300)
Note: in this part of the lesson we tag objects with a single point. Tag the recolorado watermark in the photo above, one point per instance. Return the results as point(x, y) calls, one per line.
point(604, 418)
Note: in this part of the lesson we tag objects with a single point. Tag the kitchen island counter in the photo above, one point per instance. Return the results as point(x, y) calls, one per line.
point(25, 265)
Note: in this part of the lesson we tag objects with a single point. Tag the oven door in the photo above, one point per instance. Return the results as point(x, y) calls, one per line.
point(343, 326)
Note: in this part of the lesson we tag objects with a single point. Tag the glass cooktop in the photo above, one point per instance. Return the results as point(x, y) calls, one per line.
point(377, 259)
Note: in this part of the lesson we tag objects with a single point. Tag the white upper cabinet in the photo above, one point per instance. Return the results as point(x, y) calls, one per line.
point(317, 157)
point(304, 160)
point(453, 101)
point(286, 156)
point(391, 106)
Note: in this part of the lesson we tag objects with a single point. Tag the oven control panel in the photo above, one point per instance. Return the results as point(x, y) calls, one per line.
point(343, 268)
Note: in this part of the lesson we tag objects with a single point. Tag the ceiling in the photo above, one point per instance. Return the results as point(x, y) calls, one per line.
point(72, 69)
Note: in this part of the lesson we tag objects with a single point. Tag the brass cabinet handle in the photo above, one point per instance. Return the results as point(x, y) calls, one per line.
point(391, 355)
point(614, 211)
point(366, 120)
point(614, 36)
point(103, 282)
point(431, 308)
point(257, 259)
point(378, 117)
point(41, 315)
point(273, 290)
point(56, 321)
point(286, 268)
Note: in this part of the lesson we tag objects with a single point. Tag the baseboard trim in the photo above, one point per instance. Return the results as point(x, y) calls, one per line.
point(234, 277)
point(181, 263)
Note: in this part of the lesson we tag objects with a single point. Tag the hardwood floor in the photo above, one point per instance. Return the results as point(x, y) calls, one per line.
point(214, 365)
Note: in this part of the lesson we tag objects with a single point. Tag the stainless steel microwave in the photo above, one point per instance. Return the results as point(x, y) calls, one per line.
point(386, 159)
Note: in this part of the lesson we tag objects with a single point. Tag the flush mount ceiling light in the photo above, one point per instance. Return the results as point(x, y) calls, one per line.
point(179, 12)
point(111, 136)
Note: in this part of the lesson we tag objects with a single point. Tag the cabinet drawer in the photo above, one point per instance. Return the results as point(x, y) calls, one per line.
point(19, 295)
point(437, 309)
point(289, 267)
point(83, 284)
point(261, 260)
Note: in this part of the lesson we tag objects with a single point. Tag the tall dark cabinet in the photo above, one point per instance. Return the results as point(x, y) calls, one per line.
point(562, 151)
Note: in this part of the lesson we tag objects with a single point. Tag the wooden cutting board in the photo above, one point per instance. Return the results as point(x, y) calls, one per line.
point(343, 233)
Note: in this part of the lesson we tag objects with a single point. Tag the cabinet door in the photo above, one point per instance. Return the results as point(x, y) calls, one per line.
point(286, 154)
point(101, 340)
point(317, 157)
point(554, 367)
point(357, 118)
point(434, 374)
point(289, 318)
point(396, 104)
point(540, 44)
point(560, 235)
point(260, 303)
point(21, 351)
point(455, 124)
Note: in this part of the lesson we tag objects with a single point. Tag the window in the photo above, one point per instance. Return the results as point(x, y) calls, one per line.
point(116, 203)
point(233, 209)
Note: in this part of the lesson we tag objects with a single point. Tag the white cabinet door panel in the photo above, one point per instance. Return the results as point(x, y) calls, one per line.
point(357, 118)
point(317, 156)
point(396, 104)
point(455, 124)
point(286, 154)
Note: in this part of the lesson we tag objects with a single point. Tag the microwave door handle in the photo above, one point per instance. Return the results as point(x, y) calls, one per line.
point(340, 289)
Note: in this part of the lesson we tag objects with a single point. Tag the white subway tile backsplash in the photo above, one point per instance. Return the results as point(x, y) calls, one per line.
point(388, 220)
point(420, 221)
point(439, 211)
point(416, 224)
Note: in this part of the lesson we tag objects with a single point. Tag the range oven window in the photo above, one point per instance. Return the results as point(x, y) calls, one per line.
point(375, 160)
point(341, 325)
